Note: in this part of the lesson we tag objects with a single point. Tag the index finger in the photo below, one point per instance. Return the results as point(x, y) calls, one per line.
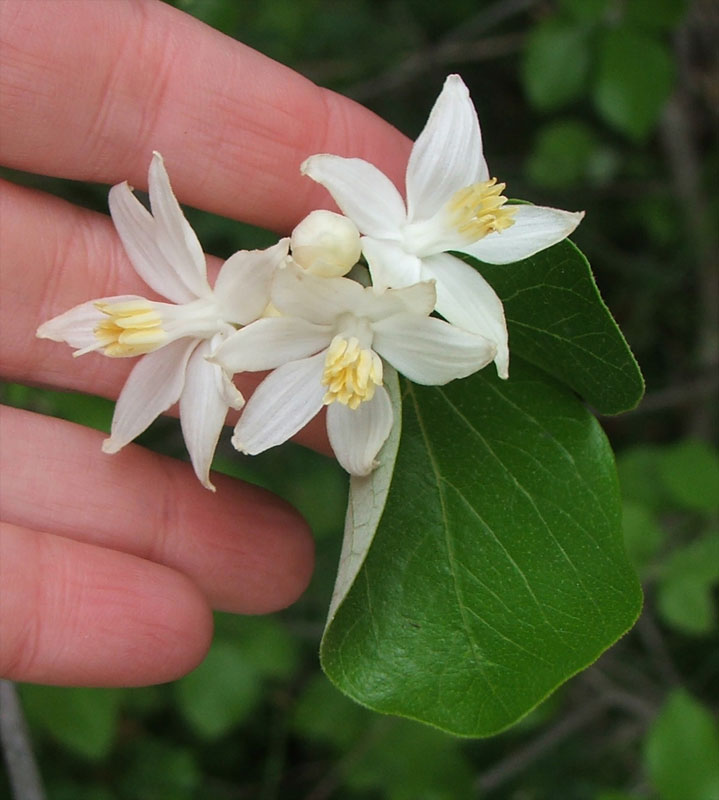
point(91, 89)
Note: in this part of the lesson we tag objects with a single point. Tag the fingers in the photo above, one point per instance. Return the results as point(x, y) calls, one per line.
point(245, 550)
point(77, 614)
point(233, 125)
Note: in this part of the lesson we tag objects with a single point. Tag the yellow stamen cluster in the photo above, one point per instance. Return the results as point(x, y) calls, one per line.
point(351, 373)
point(131, 328)
point(478, 210)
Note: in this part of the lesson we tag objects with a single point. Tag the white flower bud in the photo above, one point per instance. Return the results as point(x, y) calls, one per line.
point(326, 244)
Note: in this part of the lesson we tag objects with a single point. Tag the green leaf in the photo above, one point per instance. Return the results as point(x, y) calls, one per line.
point(690, 472)
point(82, 720)
point(220, 693)
point(497, 570)
point(558, 321)
point(682, 750)
point(639, 476)
point(562, 154)
point(555, 65)
point(635, 79)
point(654, 14)
point(684, 597)
point(642, 535)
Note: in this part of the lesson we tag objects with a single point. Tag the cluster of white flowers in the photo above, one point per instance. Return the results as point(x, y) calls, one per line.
point(290, 309)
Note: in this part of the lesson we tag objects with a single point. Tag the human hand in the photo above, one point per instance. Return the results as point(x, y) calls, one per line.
point(109, 565)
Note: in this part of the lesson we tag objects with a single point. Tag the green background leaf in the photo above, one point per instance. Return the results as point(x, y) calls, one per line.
point(558, 321)
point(635, 78)
point(497, 570)
point(682, 750)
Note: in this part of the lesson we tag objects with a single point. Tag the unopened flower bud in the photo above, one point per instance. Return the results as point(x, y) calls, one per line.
point(326, 244)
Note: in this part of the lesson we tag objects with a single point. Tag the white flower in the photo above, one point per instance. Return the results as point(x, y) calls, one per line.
point(174, 337)
point(452, 204)
point(327, 349)
point(326, 244)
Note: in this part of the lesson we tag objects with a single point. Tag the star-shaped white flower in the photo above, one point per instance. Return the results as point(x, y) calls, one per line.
point(452, 205)
point(327, 349)
point(174, 338)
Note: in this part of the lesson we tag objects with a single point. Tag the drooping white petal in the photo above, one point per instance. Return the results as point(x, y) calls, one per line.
point(357, 436)
point(77, 326)
point(242, 288)
point(174, 236)
point(535, 228)
point(430, 351)
point(154, 385)
point(390, 264)
point(300, 294)
point(366, 195)
point(203, 408)
point(270, 342)
point(447, 155)
point(282, 404)
point(464, 298)
point(138, 232)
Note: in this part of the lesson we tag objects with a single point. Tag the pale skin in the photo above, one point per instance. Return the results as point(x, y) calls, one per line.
point(110, 565)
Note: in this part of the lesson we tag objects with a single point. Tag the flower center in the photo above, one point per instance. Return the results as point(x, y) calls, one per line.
point(352, 373)
point(478, 210)
point(131, 329)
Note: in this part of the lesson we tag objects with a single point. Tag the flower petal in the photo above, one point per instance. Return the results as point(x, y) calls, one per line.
point(271, 342)
point(390, 264)
point(285, 401)
point(203, 408)
point(430, 351)
point(138, 231)
point(464, 298)
point(357, 436)
point(242, 288)
point(77, 326)
point(154, 385)
point(535, 228)
point(174, 236)
point(298, 293)
point(447, 155)
point(366, 195)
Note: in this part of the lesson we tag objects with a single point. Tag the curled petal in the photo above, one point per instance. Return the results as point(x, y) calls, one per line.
point(447, 155)
point(363, 193)
point(271, 342)
point(154, 385)
point(535, 228)
point(390, 264)
point(285, 401)
point(203, 408)
point(173, 234)
point(430, 351)
point(138, 231)
point(357, 436)
point(242, 288)
point(77, 326)
point(298, 293)
point(464, 298)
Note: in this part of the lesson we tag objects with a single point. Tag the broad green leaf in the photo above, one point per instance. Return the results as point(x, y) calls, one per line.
point(682, 750)
point(82, 720)
point(556, 64)
point(690, 472)
point(558, 321)
point(639, 476)
point(220, 693)
point(635, 79)
point(497, 570)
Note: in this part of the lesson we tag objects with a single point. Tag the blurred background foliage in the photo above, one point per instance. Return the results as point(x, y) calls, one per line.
point(606, 105)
